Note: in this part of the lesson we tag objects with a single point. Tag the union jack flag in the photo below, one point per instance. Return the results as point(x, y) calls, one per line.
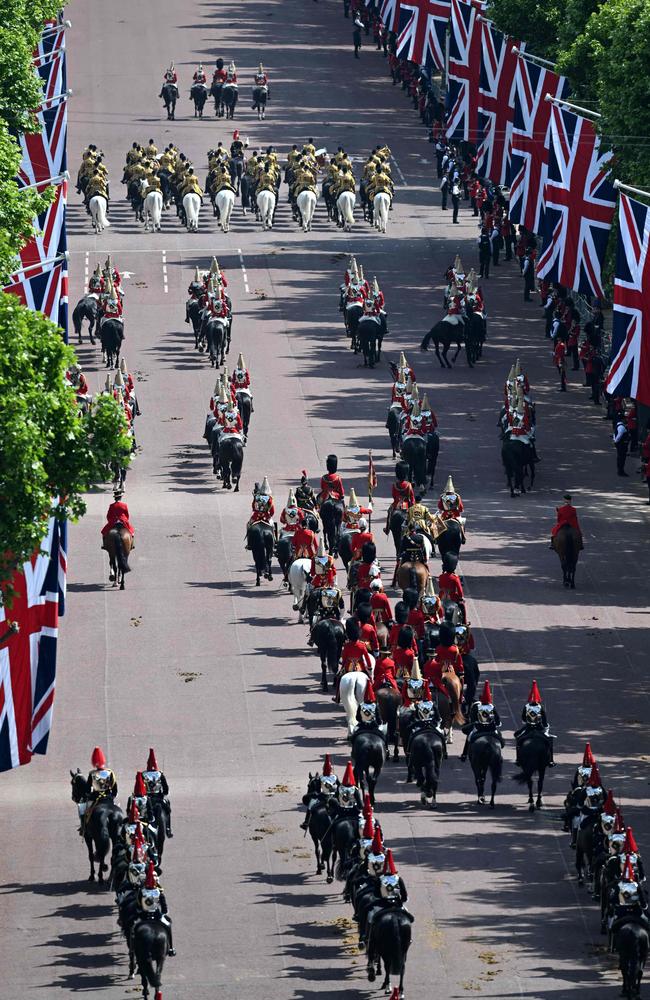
point(530, 140)
point(49, 240)
point(52, 73)
point(464, 73)
point(28, 658)
point(422, 31)
point(390, 11)
point(44, 153)
point(44, 288)
point(495, 103)
point(579, 204)
point(51, 41)
point(629, 372)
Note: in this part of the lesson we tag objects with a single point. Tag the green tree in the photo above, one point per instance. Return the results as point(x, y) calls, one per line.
point(537, 24)
point(48, 448)
point(21, 25)
point(18, 208)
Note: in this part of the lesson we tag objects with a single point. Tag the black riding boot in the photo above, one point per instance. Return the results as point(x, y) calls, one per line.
point(168, 825)
point(305, 824)
point(463, 755)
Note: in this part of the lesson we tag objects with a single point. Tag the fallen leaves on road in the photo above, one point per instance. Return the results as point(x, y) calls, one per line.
point(266, 830)
point(134, 622)
point(189, 675)
point(168, 420)
point(471, 987)
point(277, 790)
point(260, 293)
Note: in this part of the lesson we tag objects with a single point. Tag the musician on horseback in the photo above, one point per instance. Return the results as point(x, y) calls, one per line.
point(412, 546)
point(420, 520)
point(101, 784)
point(567, 516)
point(533, 716)
point(152, 904)
point(483, 720)
point(117, 516)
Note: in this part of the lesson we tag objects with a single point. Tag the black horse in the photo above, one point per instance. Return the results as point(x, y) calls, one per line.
point(389, 942)
point(394, 428)
point(368, 756)
point(567, 543)
point(450, 541)
point(195, 316)
point(320, 828)
point(169, 94)
point(388, 703)
point(518, 461)
point(351, 317)
point(344, 833)
point(199, 94)
point(236, 172)
point(149, 944)
point(101, 827)
point(229, 98)
point(444, 334)
point(485, 755)
point(534, 758)
point(632, 943)
point(245, 407)
point(260, 97)
point(426, 753)
point(370, 336)
point(328, 636)
point(414, 453)
point(474, 336)
point(260, 542)
point(231, 460)
point(216, 90)
point(331, 515)
point(433, 450)
point(215, 332)
point(86, 308)
point(111, 335)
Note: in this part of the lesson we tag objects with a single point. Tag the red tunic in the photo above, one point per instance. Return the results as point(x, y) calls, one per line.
point(359, 539)
point(240, 381)
point(363, 575)
point(326, 579)
point(219, 76)
point(416, 620)
point(381, 606)
point(384, 673)
point(566, 514)
point(450, 656)
point(118, 511)
point(450, 588)
point(355, 655)
point(304, 540)
point(369, 636)
point(404, 661)
point(433, 671)
point(446, 514)
point(403, 494)
point(559, 354)
point(393, 636)
point(291, 527)
point(331, 486)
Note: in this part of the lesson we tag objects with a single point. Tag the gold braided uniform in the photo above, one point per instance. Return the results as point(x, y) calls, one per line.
point(96, 185)
point(420, 518)
point(151, 150)
point(166, 162)
point(191, 186)
point(345, 183)
point(266, 181)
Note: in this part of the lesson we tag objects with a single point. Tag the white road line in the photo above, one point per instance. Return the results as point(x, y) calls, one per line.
point(243, 270)
point(164, 270)
point(399, 171)
point(86, 267)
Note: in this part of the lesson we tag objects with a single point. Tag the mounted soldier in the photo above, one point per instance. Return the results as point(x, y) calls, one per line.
point(157, 789)
point(533, 716)
point(152, 904)
point(329, 785)
point(483, 720)
point(101, 784)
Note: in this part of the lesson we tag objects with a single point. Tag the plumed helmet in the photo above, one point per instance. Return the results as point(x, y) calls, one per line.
point(150, 878)
point(134, 812)
point(139, 788)
point(123, 366)
point(348, 778)
point(98, 758)
point(353, 503)
point(119, 381)
point(630, 846)
point(152, 763)
point(327, 767)
point(588, 759)
point(534, 697)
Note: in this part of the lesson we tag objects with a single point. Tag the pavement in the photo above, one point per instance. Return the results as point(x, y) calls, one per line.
point(215, 674)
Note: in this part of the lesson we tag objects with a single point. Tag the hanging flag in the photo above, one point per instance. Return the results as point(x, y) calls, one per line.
point(44, 288)
point(422, 31)
point(47, 242)
point(579, 203)
point(390, 13)
point(52, 73)
point(496, 103)
point(372, 476)
point(629, 371)
point(52, 39)
point(28, 658)
point(44, 153)
point(464, 73)
point(530, 140)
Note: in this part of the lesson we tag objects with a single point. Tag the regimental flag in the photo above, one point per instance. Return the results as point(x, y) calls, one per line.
point(530, 140)
point(629, 372)
point(372, 475)
point(464, 73)
point(422, 31)
point(44, 288)
point(28, 659)
point(496, 103)
point(390, 13)
point(579, 204)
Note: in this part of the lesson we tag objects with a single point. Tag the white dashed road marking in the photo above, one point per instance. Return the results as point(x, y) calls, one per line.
point(243, 270)
point(164, 270)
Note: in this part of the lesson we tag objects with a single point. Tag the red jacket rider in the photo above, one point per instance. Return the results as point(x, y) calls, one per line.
point(566, 514)
point(117, 512)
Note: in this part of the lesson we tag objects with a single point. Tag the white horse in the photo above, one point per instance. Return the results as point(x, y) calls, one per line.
point(298, 580)
point(266, 205)
point(192, 207)
point(345, 204)
point(381, 207)
point(152, 210)
point(306, 202)
point(225, 200)
point(98, 206)
point(352, 690)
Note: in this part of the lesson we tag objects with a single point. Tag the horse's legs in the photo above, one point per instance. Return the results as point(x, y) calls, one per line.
point(442, 363)
point(540, 787)
point(494, 791)
point(458, 346)
point(112, 575)
point(531, 805)
point(91, 858)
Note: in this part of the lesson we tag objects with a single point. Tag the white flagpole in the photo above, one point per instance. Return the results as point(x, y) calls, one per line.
point(529, 55)
point(626, 187)
point(41, 263)
point(54, 30)
point(54, 181)
point(572, 107)
point(53, 100)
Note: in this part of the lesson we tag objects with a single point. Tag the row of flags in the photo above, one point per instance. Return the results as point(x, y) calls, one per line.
point(559, 176)
point(29, 627)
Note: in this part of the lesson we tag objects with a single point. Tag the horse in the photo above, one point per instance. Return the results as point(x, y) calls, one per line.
point(370, 337)
point(194, 314)
point(567, 543)
point(245, 406)
point(449, 705)
point(237, 171)
point(149, 944)
point(451, 539)
point(426, 753)
point(444, 334)
point(169, 94)
point(319, 828)
point(331, 515)
point(632, 944)
point(298, 574)
point(266, 205)
point(111, 335)
point(518, 459)
point(412, 574)
point(224, 202)
point(229, 98)
point(328, 635)
point(433, 450)
point(388, 702)
point(414, 453)
point(394, 427)
point(388, 942)
point(260, 97)
point(344, 833)
point(260, 542)
point(534, 758)
point(306, 202)
point(352, 313)
point(381, 208)
point(98, 206)
point(352, 689)
point(216, 90)
point(135, 196)
point(231, 460)
point(192, 207)
point(101, 826)
point(345, 205)
point(199, 94)
point(214, 330)
point(118, 542)
point(153, 204)
point(86, 308)
point(162, 821)
point(368, 757)
point(474, 336)
point(485, 755)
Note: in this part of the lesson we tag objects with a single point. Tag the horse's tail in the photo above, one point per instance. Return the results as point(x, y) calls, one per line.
point(397, 958)
point(413, 578)
point(121, 555)
point(496, 766)
point(454, 701)
point(100, 207)
point(77, 318)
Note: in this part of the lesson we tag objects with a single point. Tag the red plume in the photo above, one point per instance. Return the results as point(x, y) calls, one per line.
point(486, 697)
point(588, 759)
point(377, 843)
point(367, 807)
point(368, 828)
point(630, 846)
point(628, 870)
point(152, 763)
point(619, 825)
point(594, 777)
point(134, 813)
point(150, 879)
point(389, 864)
point(426, 690)
point(610, 806)
point(139, 789)
point(98, 759)
point(369, 697)
point(534, 698)
point(348, 777)
point(327, 766)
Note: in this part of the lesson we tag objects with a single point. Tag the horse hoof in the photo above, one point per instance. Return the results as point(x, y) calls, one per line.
point(91, 878)
point(371, 975)
point(329, 879)
point(491, 805)
point(531, 807)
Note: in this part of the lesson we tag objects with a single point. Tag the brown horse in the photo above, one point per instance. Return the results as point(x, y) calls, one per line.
point(118, 543)
point(449, 705)
point(568, 543)
point(412, 574)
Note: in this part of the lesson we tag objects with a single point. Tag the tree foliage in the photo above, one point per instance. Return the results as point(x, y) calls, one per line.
point(48, 448)
point(536, 23)
point(21, 25)
point(18, 208)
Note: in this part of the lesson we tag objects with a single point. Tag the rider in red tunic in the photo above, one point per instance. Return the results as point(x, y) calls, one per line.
point(304, 542)
point(566, 514)
point(331, 484)
point(380, 603)
point(118, 513)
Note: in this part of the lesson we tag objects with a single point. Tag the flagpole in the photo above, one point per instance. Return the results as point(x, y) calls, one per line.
point(626, 187)
point(14, 629)
point(52, 100)
point(529, 55)
point(41, 263)
point(53, 181)
point(55, 29)
point(573, 107)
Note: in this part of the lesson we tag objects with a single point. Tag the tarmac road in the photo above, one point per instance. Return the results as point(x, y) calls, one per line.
point(214, 673)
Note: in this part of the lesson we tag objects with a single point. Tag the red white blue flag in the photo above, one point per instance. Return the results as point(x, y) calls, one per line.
point(44, 287)
point(28, 659)
point(44, 153)
point(579, 204)
point(496, 103)
point(629, 371)
point(422, 31)
point(390, 11)
point(530, 140)
point(464, 73)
